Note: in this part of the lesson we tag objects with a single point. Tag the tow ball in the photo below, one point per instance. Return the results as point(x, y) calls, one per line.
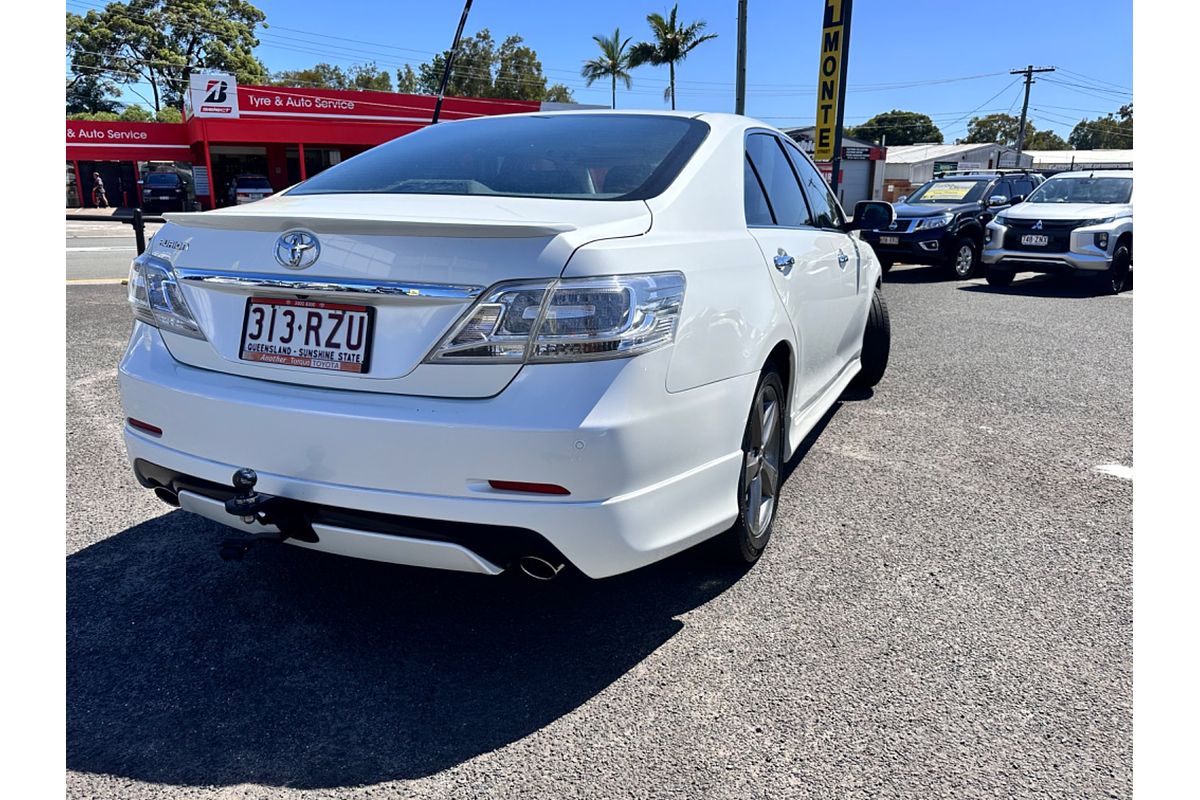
point(265, 509)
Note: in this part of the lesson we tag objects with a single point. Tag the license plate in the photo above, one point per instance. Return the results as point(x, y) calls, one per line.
point(1035, 239)
point(889, 240)
point(307, 333)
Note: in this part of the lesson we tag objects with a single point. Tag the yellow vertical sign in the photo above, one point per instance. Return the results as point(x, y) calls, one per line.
point(829, 78)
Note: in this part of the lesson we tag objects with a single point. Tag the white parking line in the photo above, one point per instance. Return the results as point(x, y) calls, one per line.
point(113, 249)
point(96, 281)
point(1116, 470)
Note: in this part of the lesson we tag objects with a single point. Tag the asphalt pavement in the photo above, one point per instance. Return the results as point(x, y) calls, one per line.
point(101, 250)
point(944, 610)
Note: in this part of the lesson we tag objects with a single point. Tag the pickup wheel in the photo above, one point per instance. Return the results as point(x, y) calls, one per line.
point(1117, 275)
point(761, 474)
point(999, 277)
point(876, 346)
point(965, 259)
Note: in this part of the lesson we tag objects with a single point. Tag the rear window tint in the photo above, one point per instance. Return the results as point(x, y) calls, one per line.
point(572, 156)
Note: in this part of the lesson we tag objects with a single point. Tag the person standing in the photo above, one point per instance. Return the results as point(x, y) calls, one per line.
point(99, 198)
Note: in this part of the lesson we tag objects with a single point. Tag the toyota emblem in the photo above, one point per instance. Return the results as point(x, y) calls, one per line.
point(297, 249)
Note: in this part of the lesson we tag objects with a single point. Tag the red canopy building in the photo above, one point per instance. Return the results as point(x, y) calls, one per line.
point(283, 134)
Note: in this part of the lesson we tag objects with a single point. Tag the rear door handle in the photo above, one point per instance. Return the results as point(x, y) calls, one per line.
point(842, 259)
point(784, 262)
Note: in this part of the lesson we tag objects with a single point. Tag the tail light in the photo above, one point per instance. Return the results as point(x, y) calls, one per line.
point(156, 299)
point(579, 319)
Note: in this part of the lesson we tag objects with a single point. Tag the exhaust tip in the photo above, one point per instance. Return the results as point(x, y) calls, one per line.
point(167, 496)
point(539, 568)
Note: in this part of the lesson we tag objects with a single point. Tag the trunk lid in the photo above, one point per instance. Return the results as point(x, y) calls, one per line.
point(418, 261)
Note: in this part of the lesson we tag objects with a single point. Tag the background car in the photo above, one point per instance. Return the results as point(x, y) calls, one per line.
point(1076, 223)
point(942, 222)
point(249, 189)
point(164, 191)
point(507, 343)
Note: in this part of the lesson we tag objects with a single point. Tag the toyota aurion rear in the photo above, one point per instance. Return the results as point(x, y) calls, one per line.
point(515, 342)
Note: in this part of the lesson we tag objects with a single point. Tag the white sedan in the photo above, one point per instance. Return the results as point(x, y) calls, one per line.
point(526, 341)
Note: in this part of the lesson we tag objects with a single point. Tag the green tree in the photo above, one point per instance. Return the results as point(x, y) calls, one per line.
point(318, 76)
point(169, 114)
point(406, 81)
point(672, 44)
point(1046, 140)
point(368, 77)
point(558, 93)
point(1107, 133)
point(136, 114)
point(900, 127)
point(162, 42)
point(511, 71)
point(613, 62)
point(996, 128)
point(91, 93)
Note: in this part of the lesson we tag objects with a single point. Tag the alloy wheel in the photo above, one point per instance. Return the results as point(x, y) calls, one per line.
point(762, 462)
point(964, 262)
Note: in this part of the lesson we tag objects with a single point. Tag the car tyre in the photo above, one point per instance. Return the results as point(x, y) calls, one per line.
point(876, 346)
point(1116, 277)
point(965, 261)
point(1000, 277)
point(761, 473)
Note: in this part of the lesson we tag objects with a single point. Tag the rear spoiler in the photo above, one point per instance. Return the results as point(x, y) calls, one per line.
point(369, 225)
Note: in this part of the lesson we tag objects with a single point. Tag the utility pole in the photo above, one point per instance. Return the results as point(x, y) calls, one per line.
point(1028, 73)
point(739, 103)
point(437, 109)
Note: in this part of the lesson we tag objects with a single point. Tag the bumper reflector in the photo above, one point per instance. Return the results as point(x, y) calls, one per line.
point(525, 486)
point(146, 427)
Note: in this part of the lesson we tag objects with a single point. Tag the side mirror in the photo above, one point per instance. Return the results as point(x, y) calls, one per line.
point(901, 198)
point(997, 200)
point(871, 215)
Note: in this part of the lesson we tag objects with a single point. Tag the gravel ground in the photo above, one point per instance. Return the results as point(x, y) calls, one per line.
point(944, 611)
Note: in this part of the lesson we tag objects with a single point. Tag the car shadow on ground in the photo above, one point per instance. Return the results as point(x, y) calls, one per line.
point(1055, 286)
point(904, 273)
point(306, 670)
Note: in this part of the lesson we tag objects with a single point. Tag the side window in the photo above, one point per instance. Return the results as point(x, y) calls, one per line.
point(826, 211)
point(1001, 187)
point(778, 179)
point(1023, 187)
point(758, 211)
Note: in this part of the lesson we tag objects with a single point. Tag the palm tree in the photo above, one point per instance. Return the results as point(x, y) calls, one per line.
point(613, 62)
point(671, 43)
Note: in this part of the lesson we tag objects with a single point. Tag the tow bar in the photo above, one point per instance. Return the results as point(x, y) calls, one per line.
point(265, 509)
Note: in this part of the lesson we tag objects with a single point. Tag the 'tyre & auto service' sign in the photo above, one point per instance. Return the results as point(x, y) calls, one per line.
point(829, 78)
point(212, 95)
point(89, 140)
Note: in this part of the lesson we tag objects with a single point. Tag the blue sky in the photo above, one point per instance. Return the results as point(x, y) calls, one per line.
point(897, 49)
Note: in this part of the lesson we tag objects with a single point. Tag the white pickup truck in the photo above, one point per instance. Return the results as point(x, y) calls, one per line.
point(1076, 223)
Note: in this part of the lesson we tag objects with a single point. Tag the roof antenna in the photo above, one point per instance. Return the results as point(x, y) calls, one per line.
point(437, 109)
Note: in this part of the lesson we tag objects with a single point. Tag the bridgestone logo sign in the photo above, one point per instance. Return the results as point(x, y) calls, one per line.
point(213, 96)
point(829, 79)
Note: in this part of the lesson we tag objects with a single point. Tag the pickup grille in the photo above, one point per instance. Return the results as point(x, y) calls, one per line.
point(1057, 232)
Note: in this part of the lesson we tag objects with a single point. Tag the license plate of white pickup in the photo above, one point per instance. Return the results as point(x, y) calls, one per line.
point(1035, 239)
point(889, 240)
point(307, 333)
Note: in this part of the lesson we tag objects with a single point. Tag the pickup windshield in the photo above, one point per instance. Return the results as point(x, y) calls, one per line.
point(948, 192)
point(1083, 190)
point(570, 156)
point(162, 180)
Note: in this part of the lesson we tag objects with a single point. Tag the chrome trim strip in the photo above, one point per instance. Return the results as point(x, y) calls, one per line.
point(437, 292)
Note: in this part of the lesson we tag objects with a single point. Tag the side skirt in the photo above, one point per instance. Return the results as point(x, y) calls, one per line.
point(803, 422)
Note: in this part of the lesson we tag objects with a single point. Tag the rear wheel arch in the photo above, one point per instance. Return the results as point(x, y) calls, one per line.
point(782, 359)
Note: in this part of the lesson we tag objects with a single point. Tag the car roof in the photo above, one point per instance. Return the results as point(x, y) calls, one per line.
point(1094, 173)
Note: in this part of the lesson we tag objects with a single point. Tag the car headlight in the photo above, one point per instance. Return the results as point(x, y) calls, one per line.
point(578, 319)
point(1098, 221)
point(156, 299)
point(1000, 219)
point(940, 221)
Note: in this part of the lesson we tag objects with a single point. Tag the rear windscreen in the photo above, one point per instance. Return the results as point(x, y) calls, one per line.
point(572, 156)
point(253, 183)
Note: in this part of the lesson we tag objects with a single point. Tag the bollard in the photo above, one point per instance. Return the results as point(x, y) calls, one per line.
point(139, 230)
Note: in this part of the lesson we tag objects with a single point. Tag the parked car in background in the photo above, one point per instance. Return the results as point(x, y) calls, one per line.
point(507, 343)
point(249, 189)
point(942, 222)
point(1076, 223)
point(164, 191)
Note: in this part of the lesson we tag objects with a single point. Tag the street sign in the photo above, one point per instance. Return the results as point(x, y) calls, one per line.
point(830, 79)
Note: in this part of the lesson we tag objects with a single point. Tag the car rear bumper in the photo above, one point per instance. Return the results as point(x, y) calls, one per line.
point(649, 472)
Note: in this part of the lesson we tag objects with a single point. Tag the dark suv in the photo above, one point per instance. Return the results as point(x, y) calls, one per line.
point(164, 191)
point(942, 223)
